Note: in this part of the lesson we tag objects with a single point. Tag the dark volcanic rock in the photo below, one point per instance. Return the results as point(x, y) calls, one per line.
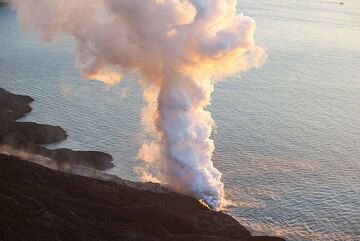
point(41, 204)
point(25, 134)
point(93, 159)
point(13, 107)
point(29, 136)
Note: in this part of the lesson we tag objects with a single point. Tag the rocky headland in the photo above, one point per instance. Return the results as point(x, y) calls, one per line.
point(29, 137)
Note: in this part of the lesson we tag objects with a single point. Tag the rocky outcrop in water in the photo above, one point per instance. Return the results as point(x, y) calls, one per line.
point(29, 136)
point(13, 107)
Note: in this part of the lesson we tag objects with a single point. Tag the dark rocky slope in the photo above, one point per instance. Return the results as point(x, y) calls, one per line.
point(37, 203)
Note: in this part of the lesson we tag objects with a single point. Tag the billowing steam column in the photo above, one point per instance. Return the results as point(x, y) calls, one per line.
point(181, 47)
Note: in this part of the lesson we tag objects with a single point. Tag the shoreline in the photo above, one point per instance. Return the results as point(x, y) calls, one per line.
point(177, 217)
point(30, 137)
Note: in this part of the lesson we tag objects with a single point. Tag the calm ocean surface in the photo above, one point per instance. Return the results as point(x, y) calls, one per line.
point(288, 135)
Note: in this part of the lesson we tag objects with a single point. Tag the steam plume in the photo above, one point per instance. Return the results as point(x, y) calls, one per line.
point(181, 47)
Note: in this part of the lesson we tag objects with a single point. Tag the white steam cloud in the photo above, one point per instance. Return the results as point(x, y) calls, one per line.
point(181, 48)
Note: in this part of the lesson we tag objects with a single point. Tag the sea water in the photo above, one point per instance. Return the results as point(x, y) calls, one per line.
point(288, 134)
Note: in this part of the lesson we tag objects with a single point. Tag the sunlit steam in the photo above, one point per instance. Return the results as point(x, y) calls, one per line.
point(181, 48)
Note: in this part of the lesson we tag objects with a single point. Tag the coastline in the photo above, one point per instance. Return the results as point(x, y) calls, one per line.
point(40, 203)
